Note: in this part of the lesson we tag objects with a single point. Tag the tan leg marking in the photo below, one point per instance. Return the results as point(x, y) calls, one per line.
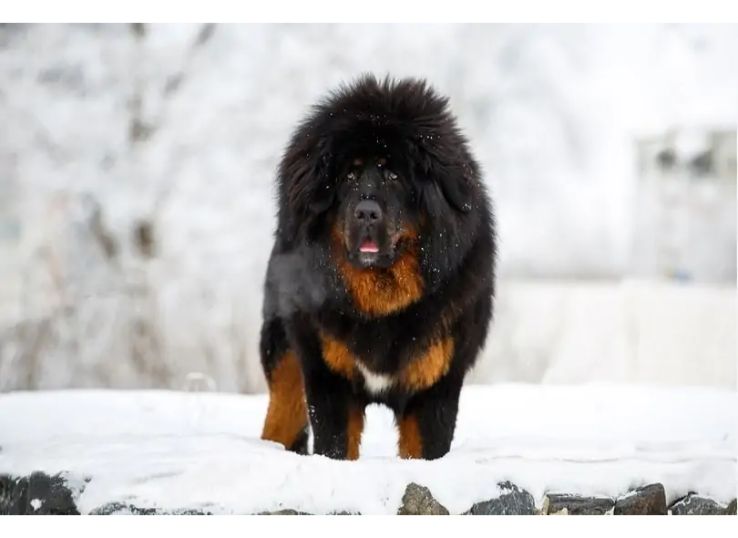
point(287, 414)
point(411, 442)
point(354, 431)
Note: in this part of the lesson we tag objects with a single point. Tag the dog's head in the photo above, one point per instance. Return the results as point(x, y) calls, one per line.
point(376, 217)
point(380, 168)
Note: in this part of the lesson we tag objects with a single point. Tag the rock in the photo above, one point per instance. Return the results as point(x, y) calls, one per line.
point(120, 509)
point(576, 505)
point(418, 501)
point(284, 512)
point(648, 500)
point(38, 494)
point(111, 509)
point(513, 501)
point(731, 510)
point(694, 505)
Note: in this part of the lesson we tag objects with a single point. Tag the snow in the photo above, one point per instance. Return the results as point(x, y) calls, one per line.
point(175, 450)
point(632, 331)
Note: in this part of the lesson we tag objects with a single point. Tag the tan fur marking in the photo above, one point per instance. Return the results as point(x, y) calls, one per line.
point(377, 291)
point(411, 442)
point(354, 431)
point(425, 370)
point(287, 413)
point(338, 357)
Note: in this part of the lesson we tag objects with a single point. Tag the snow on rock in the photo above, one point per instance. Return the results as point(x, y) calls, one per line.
point(39, 494)
point(578, 505)
point(418, 501)
point(512, 501)
point(694, 505)
point(200, 452)
point(648, 500)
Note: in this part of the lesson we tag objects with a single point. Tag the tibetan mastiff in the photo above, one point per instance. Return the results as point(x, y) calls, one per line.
point(380, 282)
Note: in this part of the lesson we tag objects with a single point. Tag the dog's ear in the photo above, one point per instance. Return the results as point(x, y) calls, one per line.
point(306, 179)
point(324, 190)
point(456, 189)
point(451, 173)
point(321, 199)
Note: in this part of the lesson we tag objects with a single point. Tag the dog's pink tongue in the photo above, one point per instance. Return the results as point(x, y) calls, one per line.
point(368, 246)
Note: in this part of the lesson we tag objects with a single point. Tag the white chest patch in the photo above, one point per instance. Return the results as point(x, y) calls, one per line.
point(375, 383)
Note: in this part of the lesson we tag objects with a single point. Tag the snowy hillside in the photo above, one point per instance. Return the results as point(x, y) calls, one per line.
point(200, 451)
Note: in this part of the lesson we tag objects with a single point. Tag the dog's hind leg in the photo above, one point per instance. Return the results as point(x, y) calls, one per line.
point(286, 420)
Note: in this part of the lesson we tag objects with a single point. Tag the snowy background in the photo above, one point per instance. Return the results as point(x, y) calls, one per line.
point(137, 172)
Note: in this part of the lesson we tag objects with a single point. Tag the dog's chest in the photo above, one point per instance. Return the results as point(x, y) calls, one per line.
point(373, 382)
point(427, 365)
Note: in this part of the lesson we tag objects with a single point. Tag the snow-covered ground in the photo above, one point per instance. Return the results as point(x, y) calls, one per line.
point(176, 450)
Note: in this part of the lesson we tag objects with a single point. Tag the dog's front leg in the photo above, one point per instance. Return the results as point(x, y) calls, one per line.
point(337, 420)
point(336, 414)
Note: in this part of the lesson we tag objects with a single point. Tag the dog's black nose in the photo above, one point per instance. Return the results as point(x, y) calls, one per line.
point(368, 212)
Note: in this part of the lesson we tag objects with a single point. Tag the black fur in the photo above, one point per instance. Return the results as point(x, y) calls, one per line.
point(407, 124)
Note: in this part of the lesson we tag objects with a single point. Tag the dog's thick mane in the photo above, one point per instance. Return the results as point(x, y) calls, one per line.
point(408, 121)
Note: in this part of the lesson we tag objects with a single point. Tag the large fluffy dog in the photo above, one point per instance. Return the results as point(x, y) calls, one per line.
point(380, 282)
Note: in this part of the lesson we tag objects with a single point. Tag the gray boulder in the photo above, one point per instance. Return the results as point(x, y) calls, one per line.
point(513, 501)
point(418, 501)
point(694, 505)
point(648, 500)
point(576, 505)
point(38, 494)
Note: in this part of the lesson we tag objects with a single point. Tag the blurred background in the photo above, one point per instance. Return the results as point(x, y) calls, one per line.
point(137, 169)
